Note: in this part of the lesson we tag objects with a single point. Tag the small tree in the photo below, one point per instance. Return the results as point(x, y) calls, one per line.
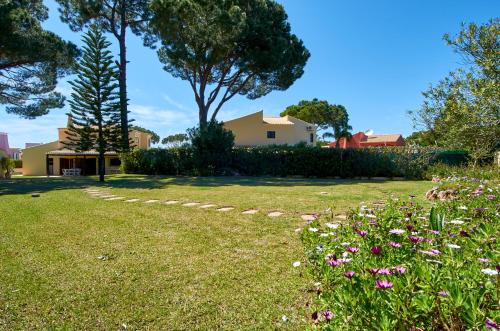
point(462, 110)
point(324, 115)
point(6, 167)
point(95, 110)
point(175, 140)
point(31, 59)
point(224, 48)
point(155, 138)
point(212, 147)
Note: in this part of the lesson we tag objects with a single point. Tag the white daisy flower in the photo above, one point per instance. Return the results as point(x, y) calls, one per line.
point(313, 230)
point(463, 208)
point(489, 272)
point(456, 222)
point(296, 264)
point(454, 246)
point(332, 225)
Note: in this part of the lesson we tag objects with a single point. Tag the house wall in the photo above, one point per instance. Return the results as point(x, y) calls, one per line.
point(107, 160)
point(138, 139)
point(252, 131)
point(34, 161)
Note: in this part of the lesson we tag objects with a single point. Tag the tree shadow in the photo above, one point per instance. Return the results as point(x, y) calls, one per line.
point(25, 185)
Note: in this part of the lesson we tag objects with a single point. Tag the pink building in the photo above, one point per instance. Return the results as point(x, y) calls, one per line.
point(361, 140)
point(13, 153)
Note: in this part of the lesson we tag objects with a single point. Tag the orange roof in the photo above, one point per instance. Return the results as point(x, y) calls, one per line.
point(381, 138)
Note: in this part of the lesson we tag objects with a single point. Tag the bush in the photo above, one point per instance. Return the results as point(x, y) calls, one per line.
point(18, 163)
point(212, 146)
point(213, 155)
point(441, 170)
point(404, 267)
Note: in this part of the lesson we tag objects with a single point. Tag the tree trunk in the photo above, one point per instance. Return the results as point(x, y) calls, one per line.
point(203, 115)
point(102, 167)
point(122, 82)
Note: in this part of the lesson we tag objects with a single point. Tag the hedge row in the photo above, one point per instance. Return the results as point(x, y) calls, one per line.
point(409, 162)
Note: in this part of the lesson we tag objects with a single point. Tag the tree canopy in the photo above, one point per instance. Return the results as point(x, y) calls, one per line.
point(175, 140)
point(325, 115)
point(115, 17)
point(31, 59)
point(95, 110)
point(228, 47)
point(155, 138)
point(463, 110)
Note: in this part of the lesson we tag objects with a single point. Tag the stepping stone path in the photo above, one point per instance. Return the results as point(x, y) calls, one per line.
point(250, 212)
point(224, 209)
point(308, 217)
point(115, 198)
point(323, 193)
point(275, 214)
point(207, 206)
point(191, 204)
point(151, 201)
point(342, 217)
point(171, 202)
point(107, 196)
point(131, 200)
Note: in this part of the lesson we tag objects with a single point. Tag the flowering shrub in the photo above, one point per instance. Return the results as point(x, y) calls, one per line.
point(405, 267)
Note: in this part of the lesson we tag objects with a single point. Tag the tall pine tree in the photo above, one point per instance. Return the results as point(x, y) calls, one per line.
point(95, 106)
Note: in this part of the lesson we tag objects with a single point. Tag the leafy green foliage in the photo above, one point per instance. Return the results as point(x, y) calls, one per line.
point(324, 115)
point(175, 140)
point(115, 17)
point(462, 111)
point(294, 161)
point(155, 138)
point(31, 59)
point(237, 47)
point(95, 112)
point(6, 167)
point(386, 269)
point(212, 148)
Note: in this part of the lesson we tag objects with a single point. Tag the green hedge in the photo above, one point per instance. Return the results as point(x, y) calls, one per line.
point(18, 163)
point(409, 162)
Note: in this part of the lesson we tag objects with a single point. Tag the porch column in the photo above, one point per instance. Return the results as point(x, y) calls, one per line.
point(47, 164)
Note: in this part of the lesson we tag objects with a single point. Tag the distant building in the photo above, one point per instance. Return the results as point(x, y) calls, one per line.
point(13, 153)
point(257, 130)
point(362, 140)
point(55, 158)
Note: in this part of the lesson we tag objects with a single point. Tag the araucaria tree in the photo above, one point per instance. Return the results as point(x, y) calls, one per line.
point(326, 116)
point(227, 47)
point(115, 17)
point(31, 59)
point(95, 107)
point(463, 110)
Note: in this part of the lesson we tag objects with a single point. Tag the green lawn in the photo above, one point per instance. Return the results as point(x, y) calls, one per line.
point(72, 261)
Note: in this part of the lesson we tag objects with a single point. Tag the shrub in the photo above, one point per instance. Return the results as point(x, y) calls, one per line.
point(441, 170)
point(6, 167)
point(403, 267)
point(213, 155)
point(212, 146)
point(18, 163)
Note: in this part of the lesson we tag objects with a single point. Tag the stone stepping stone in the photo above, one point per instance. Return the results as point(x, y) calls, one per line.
point(308, 217)
point(275, 214)
point(207, 206)
point(171, 202)
point(115, 198)
point(323, 193)
point(131, 200)
point(250, 212)
point(107, 196)
point(342, 217)
point(190, 204)
point(224, 209)
point(151, 201)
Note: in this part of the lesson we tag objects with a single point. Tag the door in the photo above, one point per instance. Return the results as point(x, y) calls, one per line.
point(90, 167)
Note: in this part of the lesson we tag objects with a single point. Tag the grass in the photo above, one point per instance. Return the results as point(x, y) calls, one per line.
point(70, 261)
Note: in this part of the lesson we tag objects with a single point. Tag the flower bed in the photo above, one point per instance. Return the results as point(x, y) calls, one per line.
point(405, 267)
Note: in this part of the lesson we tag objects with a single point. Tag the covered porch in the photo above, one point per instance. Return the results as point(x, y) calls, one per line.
point(66, 162)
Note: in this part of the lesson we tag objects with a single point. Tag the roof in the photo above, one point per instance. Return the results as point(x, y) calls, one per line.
point(381, 138)
point(277, 120)
point(69, 152)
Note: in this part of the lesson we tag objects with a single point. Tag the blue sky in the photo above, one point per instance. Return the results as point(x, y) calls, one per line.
point(373, 57)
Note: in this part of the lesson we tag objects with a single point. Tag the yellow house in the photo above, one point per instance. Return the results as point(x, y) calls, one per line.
point(55, 158)
point(257, 130)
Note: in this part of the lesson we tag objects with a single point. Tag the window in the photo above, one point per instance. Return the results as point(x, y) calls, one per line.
point(311, 138)
point(115, 162)
point(271, 134)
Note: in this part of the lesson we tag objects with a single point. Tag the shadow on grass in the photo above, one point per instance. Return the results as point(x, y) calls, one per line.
point(24, 185)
